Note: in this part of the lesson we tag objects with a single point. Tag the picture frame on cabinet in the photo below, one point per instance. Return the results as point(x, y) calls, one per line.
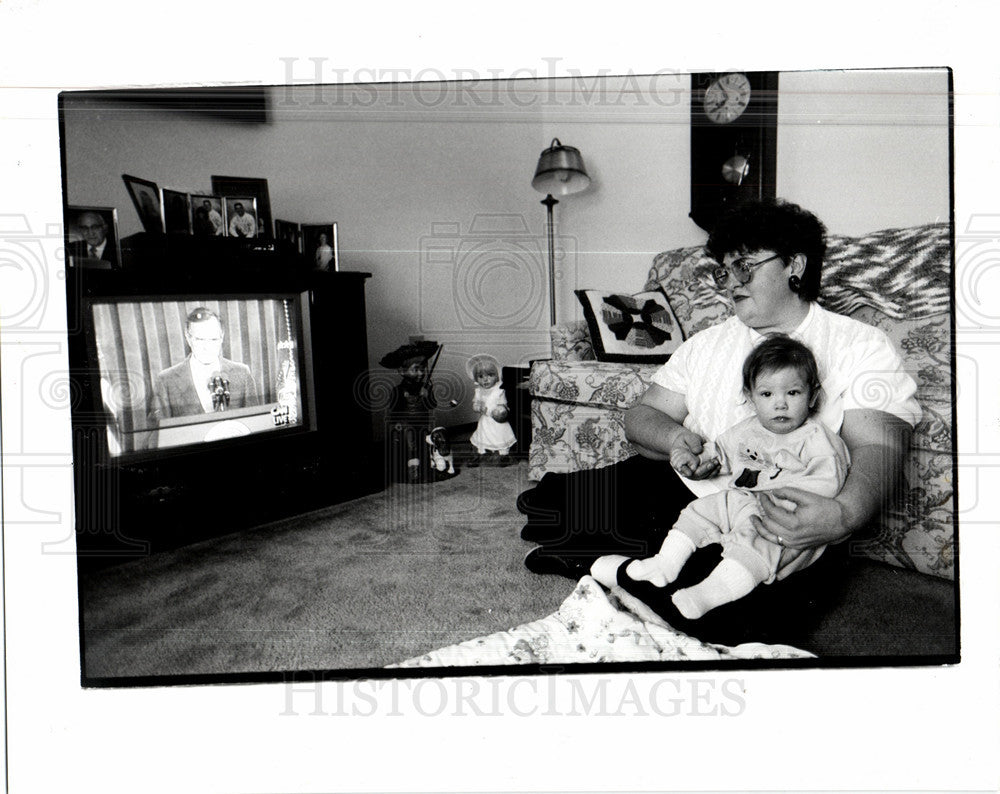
point(242, 218)
point(207, 215)
point(287, 236)
point(176, 211)
point(321, 246)
point(145, 196)
point(241, 186)
point(91, 237)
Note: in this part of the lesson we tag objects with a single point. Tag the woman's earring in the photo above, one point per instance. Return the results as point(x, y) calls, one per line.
point(794, 283)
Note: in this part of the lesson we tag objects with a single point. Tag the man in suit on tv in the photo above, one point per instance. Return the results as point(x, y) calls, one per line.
point(95, 244)
point(204, 382)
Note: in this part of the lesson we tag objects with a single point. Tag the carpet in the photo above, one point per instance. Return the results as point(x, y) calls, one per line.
point(351, 587)
point(397, 574)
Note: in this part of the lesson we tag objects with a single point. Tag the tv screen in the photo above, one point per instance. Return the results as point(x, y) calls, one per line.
point(197, 370)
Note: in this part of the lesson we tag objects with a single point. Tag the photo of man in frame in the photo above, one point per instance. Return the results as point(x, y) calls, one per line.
point(206, 216)
point(241, 217)
point(92, 236)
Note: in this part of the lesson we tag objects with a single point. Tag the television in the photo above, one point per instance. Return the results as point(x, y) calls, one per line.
point(182, 371)
point(168, 451)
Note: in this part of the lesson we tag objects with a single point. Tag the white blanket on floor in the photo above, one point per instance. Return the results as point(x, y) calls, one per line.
point(593, 625)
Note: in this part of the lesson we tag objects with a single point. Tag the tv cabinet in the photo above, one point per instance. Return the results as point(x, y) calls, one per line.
point(144, 504)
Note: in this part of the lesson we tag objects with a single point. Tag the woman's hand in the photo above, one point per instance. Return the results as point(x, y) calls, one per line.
point(878, 443)
point(815, 520)
point(685, 449)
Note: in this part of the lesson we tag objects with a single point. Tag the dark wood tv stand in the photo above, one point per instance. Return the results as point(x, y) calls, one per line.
point(146, 504)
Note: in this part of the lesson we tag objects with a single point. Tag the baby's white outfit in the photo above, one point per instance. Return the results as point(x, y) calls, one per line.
point(811, 457)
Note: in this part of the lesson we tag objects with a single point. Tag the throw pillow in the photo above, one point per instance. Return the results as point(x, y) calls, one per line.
point(638, 329)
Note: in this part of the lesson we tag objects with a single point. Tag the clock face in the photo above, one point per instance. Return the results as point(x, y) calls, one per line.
point(727, 98)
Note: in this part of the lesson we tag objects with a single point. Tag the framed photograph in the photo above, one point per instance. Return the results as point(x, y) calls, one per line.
point(286, 235)
point(248, 186)
point(92, 237)
point(207, 215)
point(176, 212)
point(146, 197)
point(241, 216)
point(320, 246)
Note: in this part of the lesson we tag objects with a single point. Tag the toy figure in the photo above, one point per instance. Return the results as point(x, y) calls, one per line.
point(411, 411)
point(442, 460)
point(493, 433)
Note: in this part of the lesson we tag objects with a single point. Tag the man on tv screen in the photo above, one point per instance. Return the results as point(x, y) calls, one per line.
point(204, 382)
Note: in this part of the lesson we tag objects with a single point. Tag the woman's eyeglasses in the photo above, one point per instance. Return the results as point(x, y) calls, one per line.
point(741, 270)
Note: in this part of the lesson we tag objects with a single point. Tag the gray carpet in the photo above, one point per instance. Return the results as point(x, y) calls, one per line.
point(884, 611)
point(395, 574)
point(355, 586)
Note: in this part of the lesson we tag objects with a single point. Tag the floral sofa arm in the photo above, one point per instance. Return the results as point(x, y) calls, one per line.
point(571, 342)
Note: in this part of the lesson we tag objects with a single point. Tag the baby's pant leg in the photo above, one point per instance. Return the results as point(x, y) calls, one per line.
point(705, 520)
point(767, 561)
point(743, 544)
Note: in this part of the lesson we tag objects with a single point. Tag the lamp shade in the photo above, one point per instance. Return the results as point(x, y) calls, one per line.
point(560, 171)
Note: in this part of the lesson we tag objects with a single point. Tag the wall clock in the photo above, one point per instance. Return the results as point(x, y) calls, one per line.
point(734, 124)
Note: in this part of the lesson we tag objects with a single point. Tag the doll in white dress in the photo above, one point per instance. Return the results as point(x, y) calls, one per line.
point(493, 432)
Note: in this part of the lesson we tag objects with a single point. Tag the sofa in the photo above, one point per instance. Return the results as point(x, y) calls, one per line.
point(896, 279)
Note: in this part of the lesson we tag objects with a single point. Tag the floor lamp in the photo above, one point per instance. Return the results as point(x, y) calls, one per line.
point(560, 172)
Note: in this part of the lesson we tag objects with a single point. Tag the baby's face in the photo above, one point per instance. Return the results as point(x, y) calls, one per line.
point(486, 379)
point(782, 400)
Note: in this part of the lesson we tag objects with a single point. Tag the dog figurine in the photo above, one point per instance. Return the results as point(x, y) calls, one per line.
point(442, 459)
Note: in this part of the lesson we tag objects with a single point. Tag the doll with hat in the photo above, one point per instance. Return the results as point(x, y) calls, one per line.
point(411, 410)
point(493, 433)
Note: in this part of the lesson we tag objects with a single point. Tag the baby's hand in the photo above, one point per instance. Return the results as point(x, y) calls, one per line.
point(478, 406)
point(686, 456)
point(681, 457)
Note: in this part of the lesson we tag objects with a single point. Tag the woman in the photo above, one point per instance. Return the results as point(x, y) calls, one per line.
point(770, 258)
point(324, 251)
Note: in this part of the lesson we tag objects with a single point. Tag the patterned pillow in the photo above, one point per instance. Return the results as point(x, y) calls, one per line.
point(685, 274)
point(637, 328)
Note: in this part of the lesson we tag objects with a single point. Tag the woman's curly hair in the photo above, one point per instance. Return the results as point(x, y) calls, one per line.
point(773, 225)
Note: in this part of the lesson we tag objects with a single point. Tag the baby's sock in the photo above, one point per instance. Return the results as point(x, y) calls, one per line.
point(664, 567)
point(728, 582)
point(605, 569)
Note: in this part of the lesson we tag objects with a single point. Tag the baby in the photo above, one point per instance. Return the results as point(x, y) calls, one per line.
point(781, 445)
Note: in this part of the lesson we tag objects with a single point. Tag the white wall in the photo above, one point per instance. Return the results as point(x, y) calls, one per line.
point(865, 149)
point(430, 185)
point(411, 172)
